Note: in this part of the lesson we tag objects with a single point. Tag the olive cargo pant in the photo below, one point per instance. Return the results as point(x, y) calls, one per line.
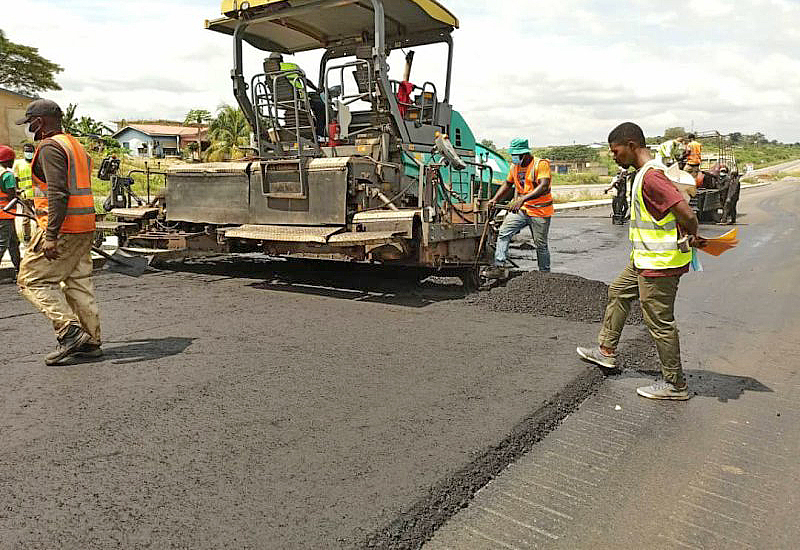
point(62, 289)
point(657, 298)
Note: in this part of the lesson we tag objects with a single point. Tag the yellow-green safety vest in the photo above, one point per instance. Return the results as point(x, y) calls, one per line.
point(295, 79)
point(667, 149)
point(22, 169)
point(655, 242)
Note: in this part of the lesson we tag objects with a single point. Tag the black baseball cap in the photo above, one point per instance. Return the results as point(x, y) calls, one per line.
point(41, 107)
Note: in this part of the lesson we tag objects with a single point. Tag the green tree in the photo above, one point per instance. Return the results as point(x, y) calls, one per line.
point(88, 126)
point(489, 144)
point(69, 120)
point(22, 68)
point(228, 131)
point(735, 137)
point(570, 152)
point(197, 116)
point(674, 132)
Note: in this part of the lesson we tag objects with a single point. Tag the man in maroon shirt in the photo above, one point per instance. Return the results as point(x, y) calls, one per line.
point(654, 288)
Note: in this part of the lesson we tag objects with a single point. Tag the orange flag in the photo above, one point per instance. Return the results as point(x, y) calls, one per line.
point(718, 245)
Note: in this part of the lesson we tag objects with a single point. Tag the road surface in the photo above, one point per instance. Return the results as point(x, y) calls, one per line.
point(718, 471)
point(789, 166)
point(250, 404)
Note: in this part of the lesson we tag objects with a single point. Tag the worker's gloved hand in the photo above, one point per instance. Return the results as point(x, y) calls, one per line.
point(515, 205)
point(50, 249)
point(491, 204)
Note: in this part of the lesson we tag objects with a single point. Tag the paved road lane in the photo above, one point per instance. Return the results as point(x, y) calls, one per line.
point(719, 471)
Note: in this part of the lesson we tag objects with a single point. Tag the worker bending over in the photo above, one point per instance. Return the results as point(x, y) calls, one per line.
point(670, 151)
point(56, 272)
point(532, 206)
point(659, 218)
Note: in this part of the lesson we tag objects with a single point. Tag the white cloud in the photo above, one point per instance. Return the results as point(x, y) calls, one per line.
point(558, 72)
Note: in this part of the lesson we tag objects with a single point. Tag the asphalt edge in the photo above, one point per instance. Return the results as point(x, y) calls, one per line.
point(417, 525)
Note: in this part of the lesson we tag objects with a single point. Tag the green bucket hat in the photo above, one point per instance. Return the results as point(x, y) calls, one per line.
point(519, 146)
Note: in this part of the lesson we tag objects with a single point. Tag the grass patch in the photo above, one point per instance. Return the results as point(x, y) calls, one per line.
point(577, 196)
point(579, 178)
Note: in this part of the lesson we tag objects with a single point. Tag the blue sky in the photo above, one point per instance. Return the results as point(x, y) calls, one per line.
point(556, 72)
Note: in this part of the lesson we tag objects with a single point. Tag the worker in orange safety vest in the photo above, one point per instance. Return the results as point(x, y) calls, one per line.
point(56, 272)
point(695, 150)
point(532, 206)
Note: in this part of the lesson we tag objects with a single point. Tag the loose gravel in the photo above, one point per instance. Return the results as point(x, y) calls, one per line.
point(554, 295)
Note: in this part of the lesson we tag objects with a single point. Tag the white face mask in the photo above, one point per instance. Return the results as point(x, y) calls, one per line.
point(28, 155)
point(516, 159)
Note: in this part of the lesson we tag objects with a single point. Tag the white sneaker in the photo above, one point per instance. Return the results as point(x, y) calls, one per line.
point(664, 390)
point(594, 355)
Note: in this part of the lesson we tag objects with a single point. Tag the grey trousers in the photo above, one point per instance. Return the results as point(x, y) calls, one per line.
point(9, 241)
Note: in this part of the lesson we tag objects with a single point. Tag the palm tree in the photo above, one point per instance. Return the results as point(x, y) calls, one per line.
point(228, 131)
point(68, 120)
point(90, 127)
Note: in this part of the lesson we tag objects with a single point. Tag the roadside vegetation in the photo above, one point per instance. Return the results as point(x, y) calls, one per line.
point(755, 149)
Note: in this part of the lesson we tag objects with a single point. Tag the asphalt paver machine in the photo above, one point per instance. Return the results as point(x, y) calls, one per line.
point(350, 165)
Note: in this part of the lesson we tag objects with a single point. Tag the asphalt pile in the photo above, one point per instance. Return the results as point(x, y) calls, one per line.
point(553, 295)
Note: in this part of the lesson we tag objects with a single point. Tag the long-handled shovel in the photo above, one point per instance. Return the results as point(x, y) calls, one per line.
point(133, 266)
point(118, 262)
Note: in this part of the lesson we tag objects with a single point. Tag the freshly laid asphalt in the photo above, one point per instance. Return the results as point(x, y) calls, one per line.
point(250, 404)
point(245, 404)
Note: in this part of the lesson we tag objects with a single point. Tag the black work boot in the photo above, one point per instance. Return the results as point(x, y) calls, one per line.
point(73, 339)
point(89, 350)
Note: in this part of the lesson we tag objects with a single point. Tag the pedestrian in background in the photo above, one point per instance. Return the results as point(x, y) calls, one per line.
point(659, 217)
point(532, 206)
point(619, 204)
point(733, 186)
point(8, 192)
point(56, 273)
point(22, 170)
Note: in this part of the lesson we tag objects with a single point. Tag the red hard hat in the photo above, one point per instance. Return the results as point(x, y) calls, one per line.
point(6, 153)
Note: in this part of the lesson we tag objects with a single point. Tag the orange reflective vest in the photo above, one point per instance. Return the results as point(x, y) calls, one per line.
point(5, 199)
point(694, 153)
point(541, 206)
point(80, 204)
